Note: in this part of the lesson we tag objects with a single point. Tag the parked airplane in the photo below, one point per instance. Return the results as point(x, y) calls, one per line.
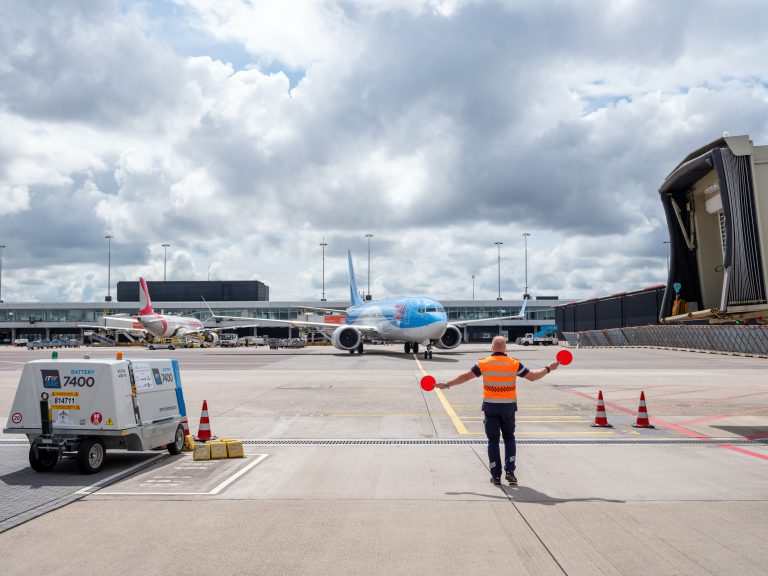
point(159, 325)
point(414, 321)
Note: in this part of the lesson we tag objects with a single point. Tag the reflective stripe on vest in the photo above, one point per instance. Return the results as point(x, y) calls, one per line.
point(499, 374)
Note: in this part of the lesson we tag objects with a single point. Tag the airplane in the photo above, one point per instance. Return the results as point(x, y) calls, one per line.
point(414, 321)
point(160, 325)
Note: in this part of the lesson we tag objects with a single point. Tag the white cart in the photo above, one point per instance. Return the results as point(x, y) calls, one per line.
point(79, 408)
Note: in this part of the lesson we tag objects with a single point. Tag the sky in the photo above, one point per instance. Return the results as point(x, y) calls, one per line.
point(246, 133)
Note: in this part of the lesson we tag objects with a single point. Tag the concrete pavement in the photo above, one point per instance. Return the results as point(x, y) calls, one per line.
point(590, 501)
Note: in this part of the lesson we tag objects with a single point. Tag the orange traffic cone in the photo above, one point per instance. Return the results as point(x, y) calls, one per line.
point(204, 430)
point(600, 419)
point(642, 415)
point(185, 425)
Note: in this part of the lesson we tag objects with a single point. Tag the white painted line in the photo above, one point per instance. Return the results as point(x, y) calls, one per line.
point(213, 492)
point(226, 483)
point(86, 490)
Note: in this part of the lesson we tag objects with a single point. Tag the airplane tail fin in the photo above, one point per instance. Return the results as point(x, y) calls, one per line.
point(354, 296)
point(522, 309)
point(145, 304)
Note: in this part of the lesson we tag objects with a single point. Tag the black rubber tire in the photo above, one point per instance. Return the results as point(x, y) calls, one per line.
point(178, 445)
point(171, 347)
point(526, 343)
point(407, 347)
point(415, 347)
point(430, 355)
point(360, 348)
point(91, 456)
point(42, 461)
point(150, 347)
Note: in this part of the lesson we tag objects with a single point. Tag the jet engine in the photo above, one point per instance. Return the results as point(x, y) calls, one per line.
point(346, 338)
point(210, 339)
point(450, 339)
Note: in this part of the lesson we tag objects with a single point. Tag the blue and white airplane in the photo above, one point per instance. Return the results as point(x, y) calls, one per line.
point(411, 320)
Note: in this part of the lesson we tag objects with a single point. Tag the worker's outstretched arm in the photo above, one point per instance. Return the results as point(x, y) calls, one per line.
point(460, 379)
point(541, 372)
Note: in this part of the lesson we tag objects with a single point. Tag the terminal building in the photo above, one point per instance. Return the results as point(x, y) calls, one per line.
point(39, 320)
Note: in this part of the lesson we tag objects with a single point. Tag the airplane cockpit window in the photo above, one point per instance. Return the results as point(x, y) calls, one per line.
point(431, 309)
point(421, 310)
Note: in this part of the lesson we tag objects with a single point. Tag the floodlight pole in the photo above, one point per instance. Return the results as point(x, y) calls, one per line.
point(368, 295)
point(2, 247)
point(525, 239)
point(323, 244)
point(165, 258)
point(109, 267)
point(498, 245)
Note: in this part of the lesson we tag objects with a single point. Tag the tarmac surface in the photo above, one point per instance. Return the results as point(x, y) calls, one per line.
point(352, 468)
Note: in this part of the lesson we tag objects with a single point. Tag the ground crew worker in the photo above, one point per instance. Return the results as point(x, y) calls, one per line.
point(499, 373)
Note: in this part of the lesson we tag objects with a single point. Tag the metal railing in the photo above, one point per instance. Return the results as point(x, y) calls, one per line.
point(734, 339)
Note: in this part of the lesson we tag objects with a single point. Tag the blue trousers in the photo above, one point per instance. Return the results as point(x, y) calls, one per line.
point(500, 423)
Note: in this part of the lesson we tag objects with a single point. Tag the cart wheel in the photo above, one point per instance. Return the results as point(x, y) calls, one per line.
point(171, 347)
point(90, 456)
point(176, 446)
point(42, 461)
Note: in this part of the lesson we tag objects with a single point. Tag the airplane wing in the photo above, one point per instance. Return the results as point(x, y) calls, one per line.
point(332, 310)
point(519, 316)
point(223, 328)
point(102, 327)
point(116, 323)
point(321, 325)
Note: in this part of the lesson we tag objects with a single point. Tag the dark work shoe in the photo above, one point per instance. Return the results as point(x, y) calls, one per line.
point(511, 479)
point(495, 481)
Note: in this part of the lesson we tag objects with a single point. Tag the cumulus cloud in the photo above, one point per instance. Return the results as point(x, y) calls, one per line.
point(245, 133)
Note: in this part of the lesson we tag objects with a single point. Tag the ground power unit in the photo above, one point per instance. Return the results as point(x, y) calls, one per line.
point(79, 408)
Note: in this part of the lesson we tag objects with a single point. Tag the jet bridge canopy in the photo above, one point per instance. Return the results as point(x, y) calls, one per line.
point(716, 206)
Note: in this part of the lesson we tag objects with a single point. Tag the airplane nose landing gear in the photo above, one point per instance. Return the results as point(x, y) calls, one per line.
point(428, 351)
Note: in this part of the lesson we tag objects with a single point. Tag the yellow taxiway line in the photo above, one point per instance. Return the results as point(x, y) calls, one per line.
point(457, 423)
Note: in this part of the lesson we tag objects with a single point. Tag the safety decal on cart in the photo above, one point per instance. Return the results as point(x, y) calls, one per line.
point(63, 406)
point(62, 418)
point(16, 417)
point(96, 418)
point(109, 422)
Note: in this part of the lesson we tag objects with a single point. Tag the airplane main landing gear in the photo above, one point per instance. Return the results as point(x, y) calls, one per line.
point(407, 347)
point(415, 347)
point(360, 347)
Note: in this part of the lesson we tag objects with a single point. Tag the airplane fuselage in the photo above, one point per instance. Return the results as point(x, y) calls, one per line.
point(416, 319)
point(165, 326)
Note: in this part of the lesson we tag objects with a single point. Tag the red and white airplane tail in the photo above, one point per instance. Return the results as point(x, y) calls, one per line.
point(145, 304)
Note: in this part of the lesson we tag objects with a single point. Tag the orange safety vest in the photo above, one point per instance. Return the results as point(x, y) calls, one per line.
point(499, 374)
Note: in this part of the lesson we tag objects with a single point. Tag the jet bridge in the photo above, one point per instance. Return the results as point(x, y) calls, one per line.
point(716, 205)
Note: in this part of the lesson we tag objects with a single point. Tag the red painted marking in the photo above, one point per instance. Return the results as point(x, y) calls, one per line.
point(687, 392)
point(747, 452)
point(17, 418)
point(731, 397)
point(661, 423)
point(428, 383)
point(96, 418)
point(564, 357)
point(757, 436)
point(675, 427)
point(696, 420)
